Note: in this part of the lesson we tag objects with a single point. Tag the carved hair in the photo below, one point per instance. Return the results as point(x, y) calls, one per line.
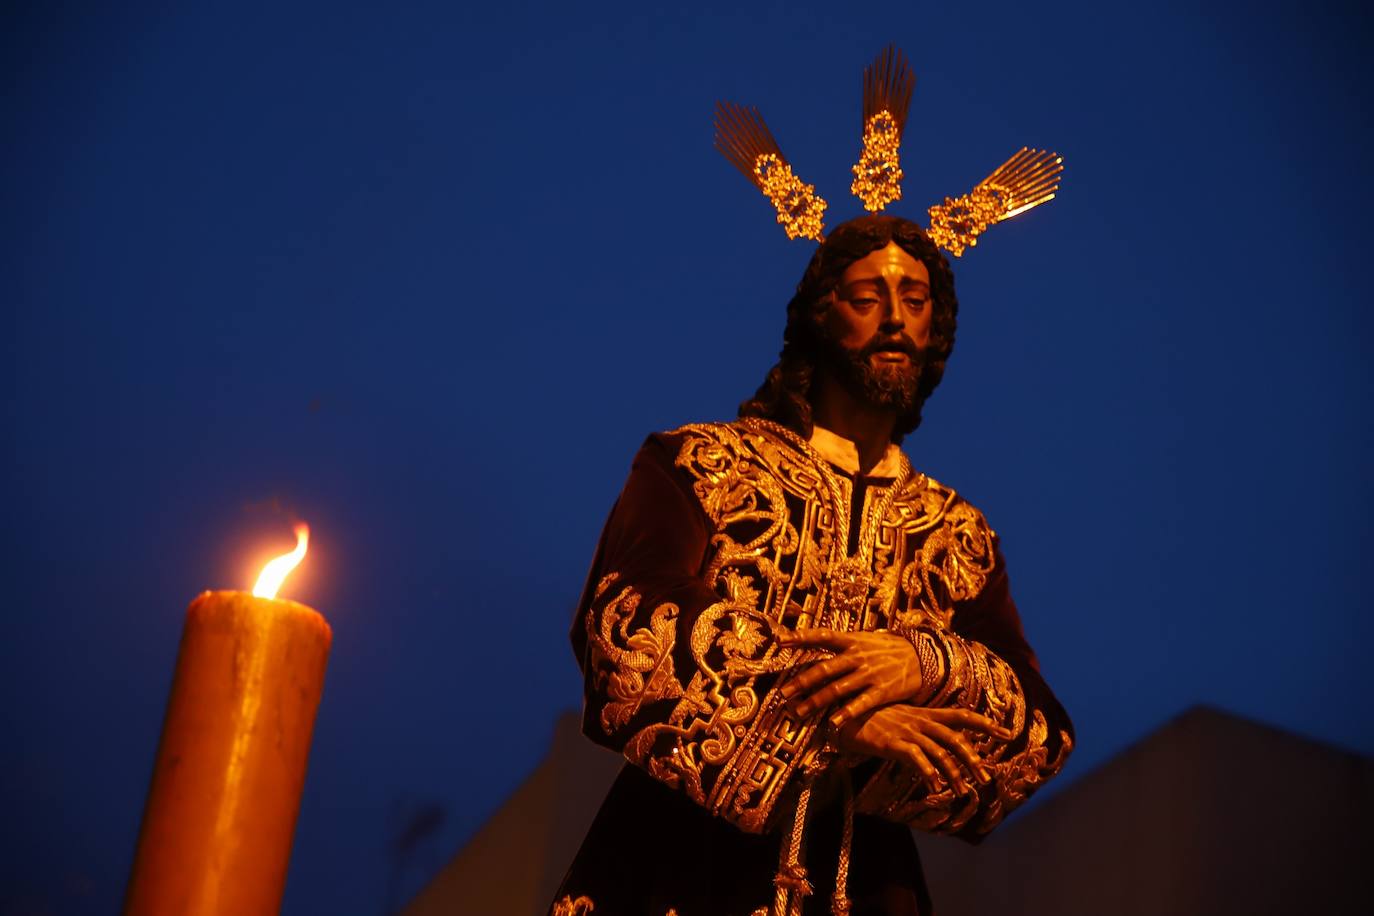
point(784, 395)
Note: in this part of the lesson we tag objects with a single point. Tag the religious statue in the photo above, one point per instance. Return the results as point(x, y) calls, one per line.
point(803, 646)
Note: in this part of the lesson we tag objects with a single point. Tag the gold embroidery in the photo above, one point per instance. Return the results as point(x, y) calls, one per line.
point(780, 518)
point(583, 905)
point(776, 525)
point(952, 563)
point(777, 557)
point(1017, 777)
point(640, 663)
point(570, 907)
point(899, 793)
point(718, 722)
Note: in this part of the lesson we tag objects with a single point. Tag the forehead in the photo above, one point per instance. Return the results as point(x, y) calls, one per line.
point(890, 262)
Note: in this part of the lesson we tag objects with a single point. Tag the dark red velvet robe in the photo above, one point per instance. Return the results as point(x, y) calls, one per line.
point(723, 534)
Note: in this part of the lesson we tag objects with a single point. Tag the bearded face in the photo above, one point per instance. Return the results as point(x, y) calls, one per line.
point(876, 326)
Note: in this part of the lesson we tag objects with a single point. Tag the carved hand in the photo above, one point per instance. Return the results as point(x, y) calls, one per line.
point(917, 735)
point(868, 670)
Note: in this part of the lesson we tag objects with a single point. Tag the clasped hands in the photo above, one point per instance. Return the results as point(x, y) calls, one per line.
point(866, 687)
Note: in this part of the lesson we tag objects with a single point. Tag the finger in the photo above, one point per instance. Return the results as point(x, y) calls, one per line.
point(958, 745)
point(868, 700)
point(816, 636)
point(917, 758)
point(809, 698)
point(810, 678)
point(869, 743)
point(964, 718)
point(942, 758)
point(831, 693)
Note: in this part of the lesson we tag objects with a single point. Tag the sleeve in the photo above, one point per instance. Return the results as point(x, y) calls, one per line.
point(984, 664)
point(676, 676)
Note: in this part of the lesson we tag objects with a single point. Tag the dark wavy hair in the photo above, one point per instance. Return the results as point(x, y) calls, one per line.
point(784, 396)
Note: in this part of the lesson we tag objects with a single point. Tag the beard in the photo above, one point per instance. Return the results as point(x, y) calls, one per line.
point(888, 386)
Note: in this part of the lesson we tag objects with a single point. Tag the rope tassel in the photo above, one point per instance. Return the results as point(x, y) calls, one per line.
point(791, 882)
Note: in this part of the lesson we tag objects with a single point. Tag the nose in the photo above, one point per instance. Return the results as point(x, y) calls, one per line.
point(892, 315)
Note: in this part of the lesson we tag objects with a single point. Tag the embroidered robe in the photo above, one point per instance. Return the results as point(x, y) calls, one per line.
point(723, 536)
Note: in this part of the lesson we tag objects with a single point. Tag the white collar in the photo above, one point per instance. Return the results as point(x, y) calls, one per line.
point(844, 454)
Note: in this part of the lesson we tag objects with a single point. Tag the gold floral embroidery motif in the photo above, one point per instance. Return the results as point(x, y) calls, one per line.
point(951, 555)
point(1022, 773)
point(640, 663)
point(720, 723)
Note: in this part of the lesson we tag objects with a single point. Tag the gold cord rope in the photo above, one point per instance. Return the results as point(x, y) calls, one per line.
point(840, 904)
point(791, 883)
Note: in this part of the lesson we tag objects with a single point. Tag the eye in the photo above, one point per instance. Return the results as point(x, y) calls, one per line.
point(915, 303)
point(863, 302)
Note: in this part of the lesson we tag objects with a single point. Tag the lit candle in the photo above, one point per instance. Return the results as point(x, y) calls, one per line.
point(226, 789)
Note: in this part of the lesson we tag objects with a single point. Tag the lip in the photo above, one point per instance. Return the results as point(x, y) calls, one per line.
point(891, 356)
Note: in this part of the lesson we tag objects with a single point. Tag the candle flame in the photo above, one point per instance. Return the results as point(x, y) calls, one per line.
point(276, 571)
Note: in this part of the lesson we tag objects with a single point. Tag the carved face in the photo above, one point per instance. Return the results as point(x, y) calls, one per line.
point(877, 322)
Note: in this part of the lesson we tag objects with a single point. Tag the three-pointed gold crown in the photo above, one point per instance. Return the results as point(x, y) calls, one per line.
point(1029, 178)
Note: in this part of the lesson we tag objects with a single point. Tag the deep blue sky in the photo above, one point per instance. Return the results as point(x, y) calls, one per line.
point(427, 276)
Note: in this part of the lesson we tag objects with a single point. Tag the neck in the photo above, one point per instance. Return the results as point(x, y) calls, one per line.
point(838, 410)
